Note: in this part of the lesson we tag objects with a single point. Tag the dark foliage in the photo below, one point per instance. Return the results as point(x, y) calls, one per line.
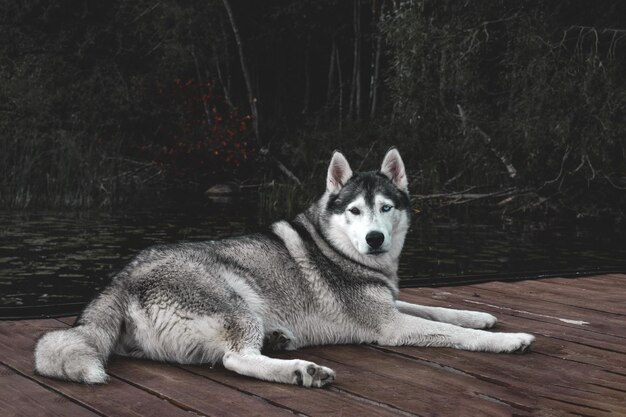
point(534, 93)
point(102, 101)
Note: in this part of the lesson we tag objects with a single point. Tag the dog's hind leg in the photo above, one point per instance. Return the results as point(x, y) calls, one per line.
point(251, 362)
point(463, 318)
point(244, 339)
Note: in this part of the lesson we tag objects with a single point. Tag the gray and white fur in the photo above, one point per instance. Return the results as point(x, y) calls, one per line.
point(327, 277)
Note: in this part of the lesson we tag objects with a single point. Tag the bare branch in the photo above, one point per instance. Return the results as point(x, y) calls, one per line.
point(366, 155)
point(593, 171)
point(565, 156)
point(204, 105)
point(145, 12)
point(246, 73)
point(487, 139)
point(617, 187)
point(464, 197)
point(281, 166)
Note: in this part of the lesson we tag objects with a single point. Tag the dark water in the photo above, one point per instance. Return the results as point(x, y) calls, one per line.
point(56, 258)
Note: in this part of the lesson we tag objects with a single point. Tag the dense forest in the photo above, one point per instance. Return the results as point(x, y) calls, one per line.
point(519, 104)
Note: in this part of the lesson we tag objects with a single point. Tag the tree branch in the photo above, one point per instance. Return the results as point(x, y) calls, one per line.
point(246, 73)
point(487, 139)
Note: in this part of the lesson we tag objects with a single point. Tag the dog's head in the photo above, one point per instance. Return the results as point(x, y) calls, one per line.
point(367, 212)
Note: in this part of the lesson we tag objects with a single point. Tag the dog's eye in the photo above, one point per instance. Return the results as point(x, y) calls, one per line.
point(355, 211)
point(386, 208)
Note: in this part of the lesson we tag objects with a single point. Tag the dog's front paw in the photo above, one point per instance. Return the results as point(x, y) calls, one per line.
point(515, 342)
point(308, 374)
point(475, 320)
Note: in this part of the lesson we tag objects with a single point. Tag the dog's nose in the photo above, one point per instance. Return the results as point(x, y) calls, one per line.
point(375, 239)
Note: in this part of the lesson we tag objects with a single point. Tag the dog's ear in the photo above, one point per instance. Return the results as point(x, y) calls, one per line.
point(393, 168)
point(339, 172)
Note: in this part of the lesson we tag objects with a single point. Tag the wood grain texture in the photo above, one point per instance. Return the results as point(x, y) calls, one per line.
point(22, 397)
point(577, 366)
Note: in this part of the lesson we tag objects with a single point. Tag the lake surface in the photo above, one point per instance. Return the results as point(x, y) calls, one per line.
point(49, 258)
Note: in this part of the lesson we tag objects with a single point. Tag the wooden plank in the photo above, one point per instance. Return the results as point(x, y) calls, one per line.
point(394, 380)
point(205, 397)
point(536, 376)
point(578, 369)
point(615, 284)
point(311, 402)
point(586, 293)
point(22, 397)
point(559, 341)
point(606, 328)
point(115, 398)
point(587, 384)
point(530, 307)
point(67, 320)
point(621, 278)
point(563, 294)
point(563, 319)
point(595, 325)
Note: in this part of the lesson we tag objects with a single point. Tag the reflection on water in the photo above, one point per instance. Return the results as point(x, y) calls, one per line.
point(524, 248)
point(52, 258)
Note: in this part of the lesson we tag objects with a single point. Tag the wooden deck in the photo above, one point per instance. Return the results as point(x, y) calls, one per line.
point(577, 367)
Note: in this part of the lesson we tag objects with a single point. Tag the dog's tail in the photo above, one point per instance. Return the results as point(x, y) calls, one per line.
point(79, 354)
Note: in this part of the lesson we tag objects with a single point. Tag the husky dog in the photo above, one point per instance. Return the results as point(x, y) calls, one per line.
point(327, 277)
